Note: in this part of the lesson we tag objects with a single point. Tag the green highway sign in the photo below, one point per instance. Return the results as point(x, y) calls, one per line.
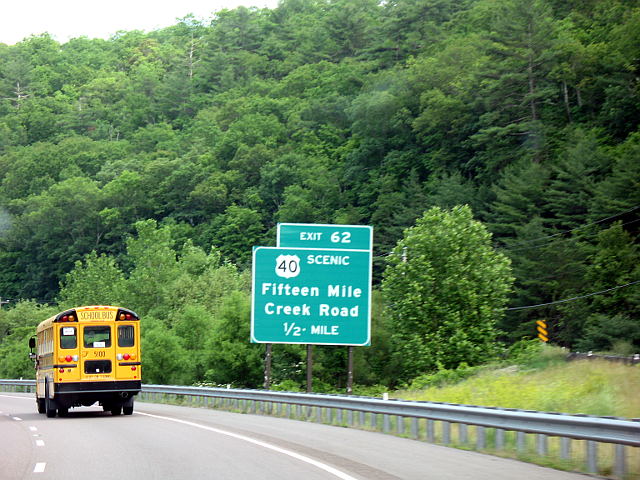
point(309, 235)
point(311, 296)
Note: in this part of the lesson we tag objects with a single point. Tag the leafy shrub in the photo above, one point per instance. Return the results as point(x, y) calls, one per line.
point(443, 377)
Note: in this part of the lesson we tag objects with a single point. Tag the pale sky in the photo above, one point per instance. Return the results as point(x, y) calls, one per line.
point(66, 19)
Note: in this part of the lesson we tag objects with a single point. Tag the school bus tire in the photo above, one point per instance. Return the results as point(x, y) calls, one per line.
point(41, 405)
point(50, 406)
point(127, 406)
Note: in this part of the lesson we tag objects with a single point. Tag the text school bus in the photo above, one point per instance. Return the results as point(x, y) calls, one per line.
point(87, 355)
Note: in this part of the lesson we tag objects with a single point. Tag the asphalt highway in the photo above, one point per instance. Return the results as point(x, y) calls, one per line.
point(171, 442)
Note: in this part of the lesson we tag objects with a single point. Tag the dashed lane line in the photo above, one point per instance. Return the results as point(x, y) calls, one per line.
point(40, 466)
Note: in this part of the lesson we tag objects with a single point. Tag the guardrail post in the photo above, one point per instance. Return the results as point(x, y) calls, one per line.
point(620, 468)
point(543, 449)
point(500, 433)
point(400, 425)
point(431, 431)
point(463, 434)
point(386, 423)
point(481, 438)
point(521, 441)
point(414, 428)
point(565, 448)
point(592, 457)
point(446, 433)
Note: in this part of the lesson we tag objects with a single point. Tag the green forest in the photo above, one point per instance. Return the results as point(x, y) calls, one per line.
point(493, 145)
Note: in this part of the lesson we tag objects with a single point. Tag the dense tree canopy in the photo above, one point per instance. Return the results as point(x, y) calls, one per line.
point(161, 158)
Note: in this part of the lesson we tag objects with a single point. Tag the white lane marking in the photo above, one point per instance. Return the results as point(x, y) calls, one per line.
point(40, 443)
point(13, 396)
point(311, 461)
point(18, 419)
point(39, 468)
point(33, 429)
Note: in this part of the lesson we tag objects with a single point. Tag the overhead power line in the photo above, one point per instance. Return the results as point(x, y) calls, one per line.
point(574, 298)
point(524, 242)
point(540, 245)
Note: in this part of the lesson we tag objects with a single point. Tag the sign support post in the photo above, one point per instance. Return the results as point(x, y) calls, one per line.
point(349, 370)
point(267, 367)
point(309, 368)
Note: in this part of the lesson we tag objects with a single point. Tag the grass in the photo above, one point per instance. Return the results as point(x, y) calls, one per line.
point(593, 387)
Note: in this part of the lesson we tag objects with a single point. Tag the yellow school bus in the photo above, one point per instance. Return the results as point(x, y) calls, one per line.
point(86, 355)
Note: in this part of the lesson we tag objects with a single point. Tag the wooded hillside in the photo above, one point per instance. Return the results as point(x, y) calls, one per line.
point(338, 111)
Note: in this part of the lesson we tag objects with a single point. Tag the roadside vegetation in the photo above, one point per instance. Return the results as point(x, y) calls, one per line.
point(540, 380)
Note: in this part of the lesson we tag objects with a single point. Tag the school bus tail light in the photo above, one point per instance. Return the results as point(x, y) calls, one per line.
point(125, 314)
point(68, 316)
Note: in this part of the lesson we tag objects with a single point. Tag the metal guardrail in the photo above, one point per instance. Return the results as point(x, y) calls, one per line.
point(618, 431)
point(630, 360)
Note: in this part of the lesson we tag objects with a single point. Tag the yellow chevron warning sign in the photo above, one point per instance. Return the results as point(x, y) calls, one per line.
point(543, 335)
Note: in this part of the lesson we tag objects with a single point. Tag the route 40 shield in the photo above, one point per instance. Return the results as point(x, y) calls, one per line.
point(287, 266)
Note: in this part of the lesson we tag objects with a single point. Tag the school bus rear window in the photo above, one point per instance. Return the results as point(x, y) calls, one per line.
point(125, 336)
point(68, 337)
point(97, 337)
